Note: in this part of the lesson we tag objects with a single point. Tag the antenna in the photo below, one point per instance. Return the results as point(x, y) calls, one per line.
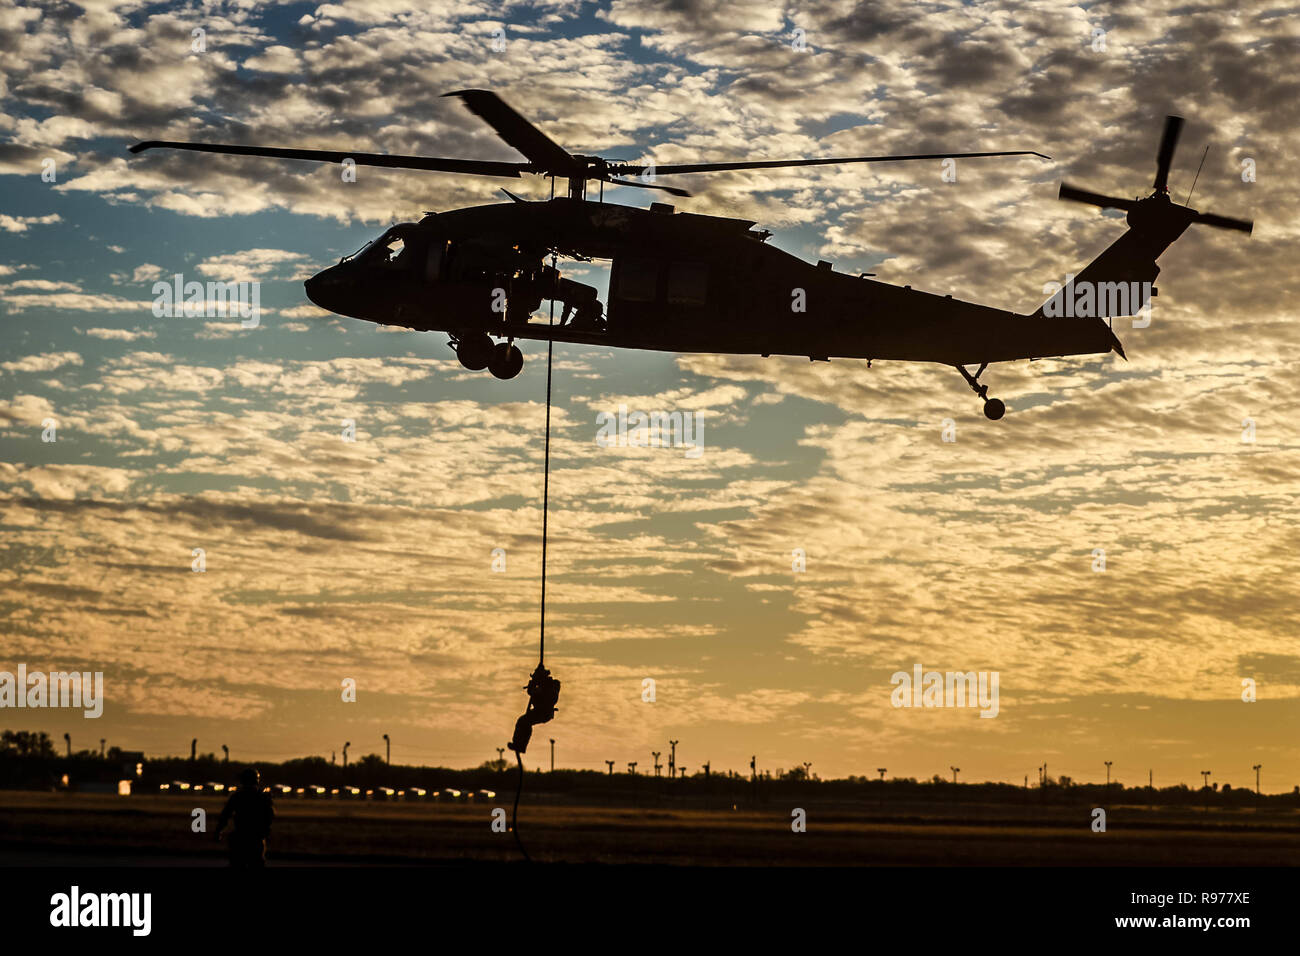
point(1197, 176)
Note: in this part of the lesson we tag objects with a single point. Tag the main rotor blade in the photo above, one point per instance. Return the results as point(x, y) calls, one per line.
point(1224, 222)
point(783, 163)
point(1096, 199)
point(632, 182)
point(545, 153)
point(1165, 156)
point(473, 166)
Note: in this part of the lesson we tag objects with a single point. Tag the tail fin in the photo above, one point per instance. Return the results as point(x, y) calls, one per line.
point(1119, 282)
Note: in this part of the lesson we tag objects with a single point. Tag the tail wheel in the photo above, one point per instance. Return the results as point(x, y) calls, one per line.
point(506, 361)
point(475, 350)
point(994, 408)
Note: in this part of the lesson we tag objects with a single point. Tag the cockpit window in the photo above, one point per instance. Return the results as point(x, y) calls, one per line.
point(396, 246)
point(390, 248)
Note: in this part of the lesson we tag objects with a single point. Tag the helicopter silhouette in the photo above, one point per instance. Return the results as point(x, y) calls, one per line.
point(683, 282)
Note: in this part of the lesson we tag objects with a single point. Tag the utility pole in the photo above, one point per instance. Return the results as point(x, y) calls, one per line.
point(1205, 785)
point(1108, 763)
point(611, 767)
point(345, 753)
point(1255, 767)
point(631, 767)
point(226, 750)
point(881, 771)
point(552, 755)
point(655, 754)
point(102, 741)
point(672, 759)
point(388, 751)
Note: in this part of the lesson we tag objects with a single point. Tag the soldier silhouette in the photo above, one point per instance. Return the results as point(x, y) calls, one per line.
point(543, 692)
point(253, 812)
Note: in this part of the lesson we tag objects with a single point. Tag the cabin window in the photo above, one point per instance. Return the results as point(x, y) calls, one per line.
point(637, 279)
point(688, 283)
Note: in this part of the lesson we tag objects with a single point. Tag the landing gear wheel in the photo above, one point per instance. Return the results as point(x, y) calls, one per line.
point(994, 408)
point(506, 361)
point(475, 350)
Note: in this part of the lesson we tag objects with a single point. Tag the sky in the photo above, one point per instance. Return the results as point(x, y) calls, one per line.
point(372, 559)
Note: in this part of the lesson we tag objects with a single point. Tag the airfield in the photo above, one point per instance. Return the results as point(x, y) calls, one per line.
point(70, 829)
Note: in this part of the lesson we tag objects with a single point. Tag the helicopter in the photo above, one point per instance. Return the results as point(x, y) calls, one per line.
point(684, 282)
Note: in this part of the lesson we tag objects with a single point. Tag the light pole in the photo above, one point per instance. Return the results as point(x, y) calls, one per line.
point(807, 771)
point(753, 767)
point(655, 754)
point(501, 758)
point(955, 771)
point(672, 759)
point(102, 741)
point(1255, 767)
point(345, 752)
point(194, 749)
point(225, 750)
point(552, 755)
point(1108, 763)
point(68, 739)
point(611, 767)
point(881, 771)
point(631, 767)
point(1205, 779)
point(388, 751)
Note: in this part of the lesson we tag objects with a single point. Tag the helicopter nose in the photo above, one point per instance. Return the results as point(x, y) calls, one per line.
point(319, 287)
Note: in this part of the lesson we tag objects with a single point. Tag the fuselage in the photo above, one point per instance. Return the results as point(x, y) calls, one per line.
point(679, 282)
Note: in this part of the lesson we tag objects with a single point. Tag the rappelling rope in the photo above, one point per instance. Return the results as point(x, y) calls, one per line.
point(546, 497)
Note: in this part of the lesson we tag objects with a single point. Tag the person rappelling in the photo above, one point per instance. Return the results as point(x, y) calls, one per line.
point(543, 692)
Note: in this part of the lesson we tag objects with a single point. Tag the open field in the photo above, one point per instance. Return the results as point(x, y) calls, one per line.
point(78, 829)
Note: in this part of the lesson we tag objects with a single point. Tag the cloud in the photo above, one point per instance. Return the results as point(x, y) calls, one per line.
point(42, 363)
point(22, 223)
